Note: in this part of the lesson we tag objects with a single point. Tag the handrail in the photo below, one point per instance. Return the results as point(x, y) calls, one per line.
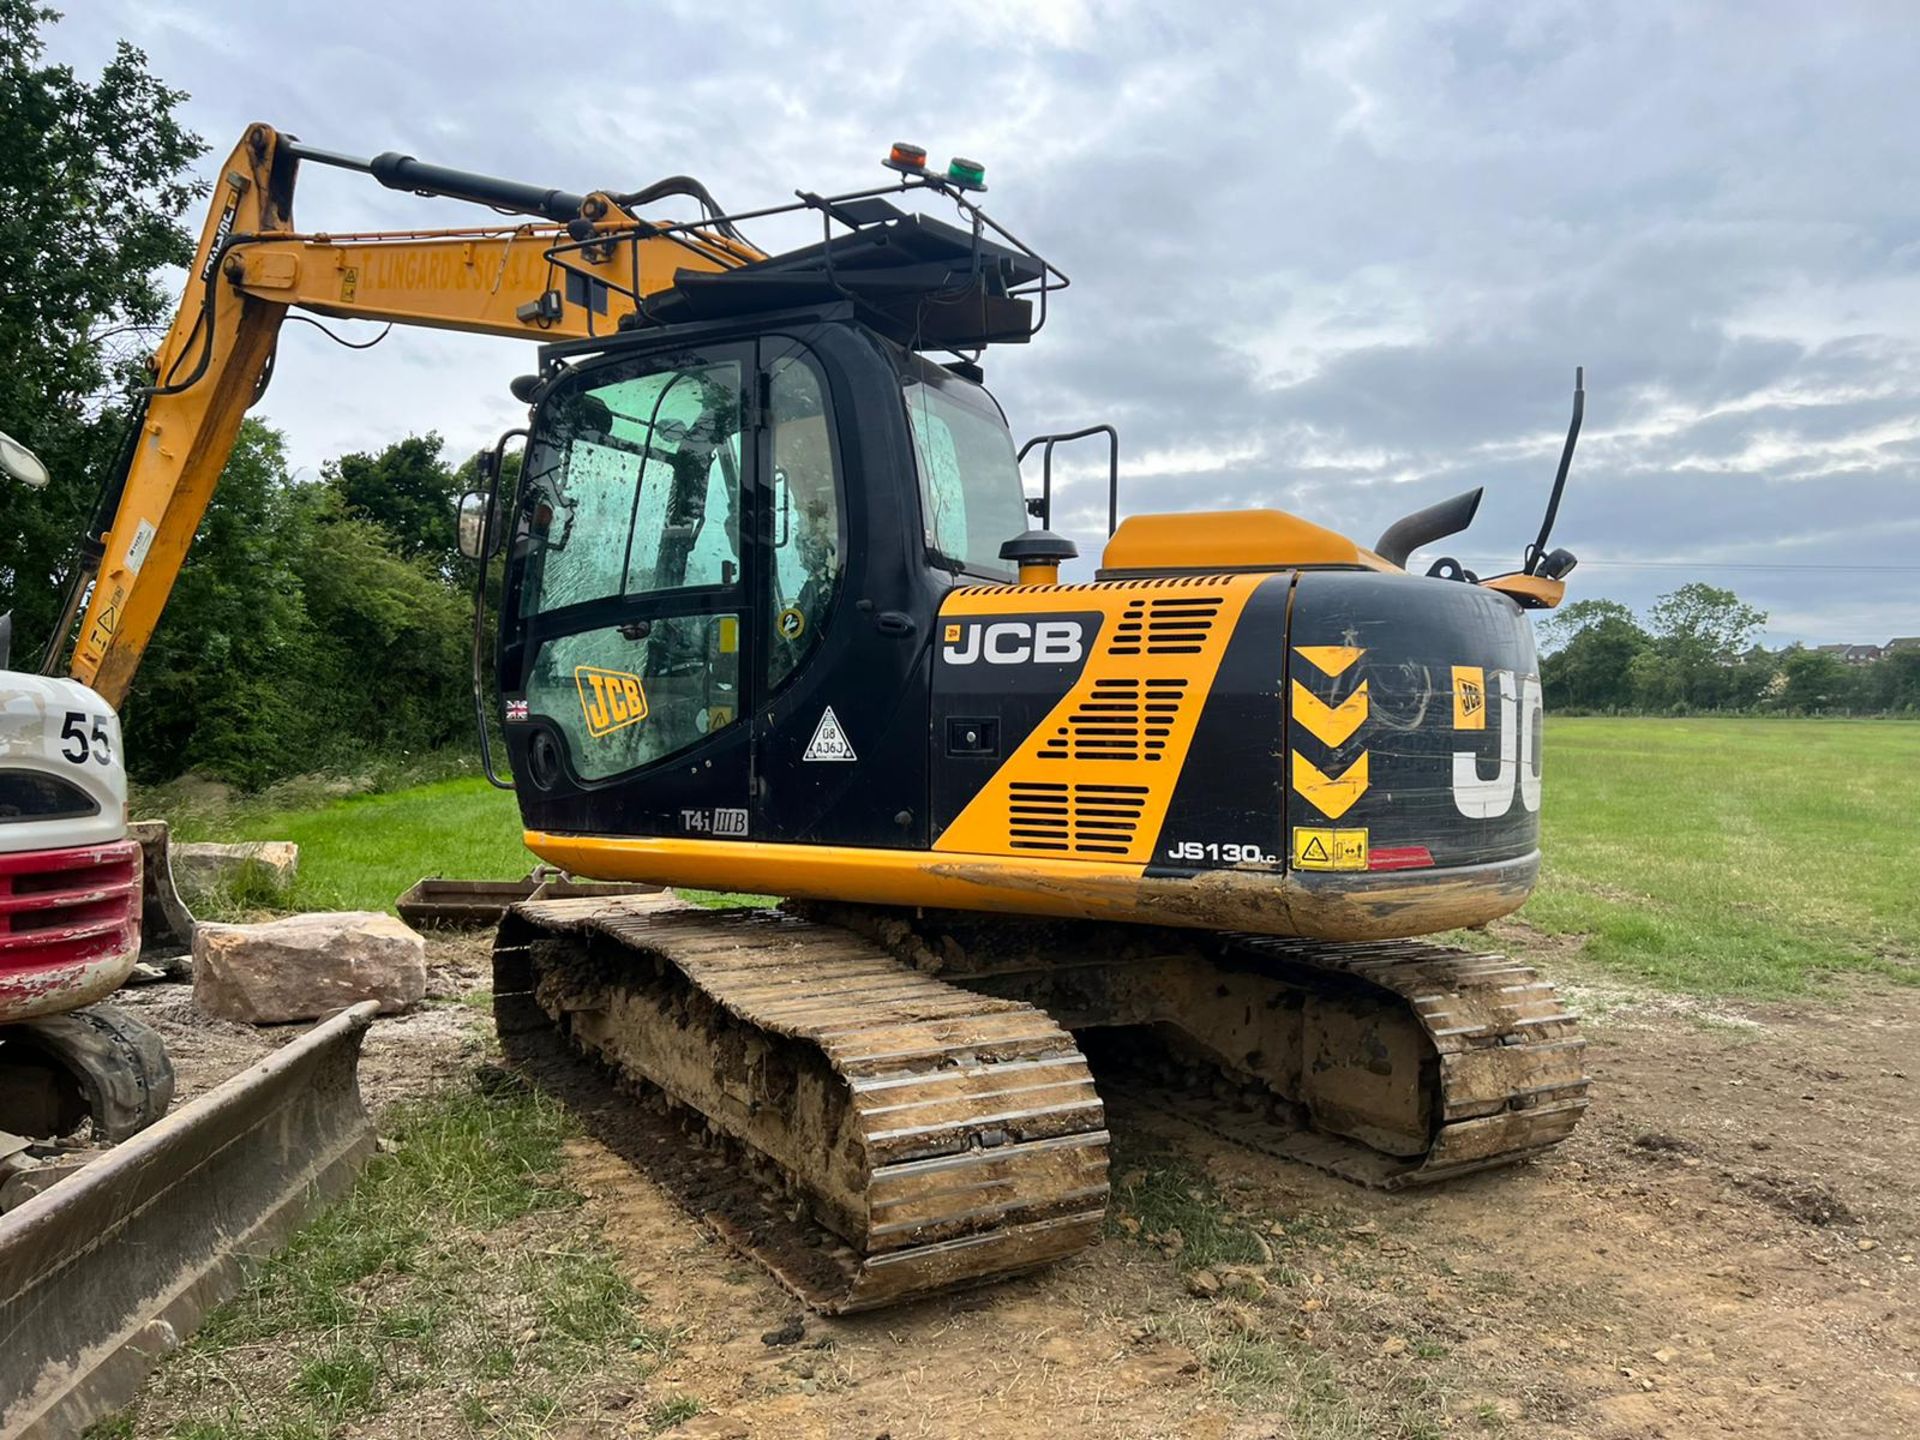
point(480, 609)
point(1046, 471)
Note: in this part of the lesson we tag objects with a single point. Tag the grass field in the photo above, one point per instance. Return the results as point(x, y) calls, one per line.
point(1743, 857)
point(1748, 857)
point(361, 853)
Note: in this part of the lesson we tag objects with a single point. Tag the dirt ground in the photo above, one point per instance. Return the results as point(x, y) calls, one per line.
point(1726, 1247)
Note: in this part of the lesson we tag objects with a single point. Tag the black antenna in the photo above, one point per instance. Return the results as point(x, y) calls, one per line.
point(1537, 551)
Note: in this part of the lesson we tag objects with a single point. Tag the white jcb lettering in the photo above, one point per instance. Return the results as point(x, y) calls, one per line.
point(1533, 720)
point(1488, 797)
point(1521, 720)
point(1014, 642)
point(1057, 642)
point(1015, 630)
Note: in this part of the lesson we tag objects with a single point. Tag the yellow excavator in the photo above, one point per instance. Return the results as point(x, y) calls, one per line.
point(777, 618)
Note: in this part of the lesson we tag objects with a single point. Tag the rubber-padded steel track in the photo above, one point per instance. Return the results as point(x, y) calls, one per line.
point(939, 1137)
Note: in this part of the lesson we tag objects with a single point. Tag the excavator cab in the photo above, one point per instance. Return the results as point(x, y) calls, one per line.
point(726, 555)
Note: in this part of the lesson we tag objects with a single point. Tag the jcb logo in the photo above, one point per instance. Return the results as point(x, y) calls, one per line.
point(610, 699)
point(1014, 642)
point(1520, 715)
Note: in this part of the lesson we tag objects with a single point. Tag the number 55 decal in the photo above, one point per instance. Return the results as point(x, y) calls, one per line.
point(82, 744)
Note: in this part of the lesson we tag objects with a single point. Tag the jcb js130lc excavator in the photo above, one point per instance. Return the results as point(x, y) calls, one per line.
point(774, 620)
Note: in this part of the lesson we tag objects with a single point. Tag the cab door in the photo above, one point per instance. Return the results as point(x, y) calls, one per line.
point(805, 754)
point(630, 641)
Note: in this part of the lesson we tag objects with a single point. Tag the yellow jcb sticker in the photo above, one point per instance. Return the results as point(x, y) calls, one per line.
point(1469, 697)
point(1316, 849)
point(610, 699)
point(953, 635)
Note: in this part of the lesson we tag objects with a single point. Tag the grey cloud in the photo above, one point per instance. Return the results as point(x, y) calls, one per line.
point(1339, 260)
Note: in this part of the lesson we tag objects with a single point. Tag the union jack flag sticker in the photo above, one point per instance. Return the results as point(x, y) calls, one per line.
point(516, 710)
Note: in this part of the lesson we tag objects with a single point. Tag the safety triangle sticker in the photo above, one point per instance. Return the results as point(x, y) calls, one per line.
point(829, 740)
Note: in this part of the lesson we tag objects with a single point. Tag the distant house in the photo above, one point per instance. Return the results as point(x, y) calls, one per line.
point(1861, 654)
point(1901, 642)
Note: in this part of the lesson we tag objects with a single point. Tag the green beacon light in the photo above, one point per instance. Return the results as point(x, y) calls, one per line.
point(967, 174)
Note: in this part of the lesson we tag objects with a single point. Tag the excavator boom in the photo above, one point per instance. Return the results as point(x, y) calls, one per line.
point(252, 266)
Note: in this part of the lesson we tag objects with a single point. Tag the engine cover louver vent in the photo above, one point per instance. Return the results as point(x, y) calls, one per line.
point(1088, 819)
point(1120, 720)
point(1166, 625)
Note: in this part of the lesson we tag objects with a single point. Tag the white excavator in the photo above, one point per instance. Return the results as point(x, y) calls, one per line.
point(70, 916)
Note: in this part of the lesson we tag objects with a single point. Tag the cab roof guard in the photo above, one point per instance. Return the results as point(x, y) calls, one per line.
point(922, 283)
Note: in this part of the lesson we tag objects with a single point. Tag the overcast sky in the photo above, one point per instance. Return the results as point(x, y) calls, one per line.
point(1335, 259)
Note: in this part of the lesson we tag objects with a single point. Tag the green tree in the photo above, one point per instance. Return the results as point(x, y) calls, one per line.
point(410, 491)
point(297, 639)
point(1589, 667)
point(1817, 681)
point(1656, 681)
point(1896, 681)
point(93, 177)
point(1705, 622)
point(1751, 680)
point(1701, 631)
point(390, 663)
point(1560, 627)
point(227, 687)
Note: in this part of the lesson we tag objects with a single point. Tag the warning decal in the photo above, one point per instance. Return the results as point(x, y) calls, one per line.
point(1321, 849)
point(142, 542)
point(829, 740)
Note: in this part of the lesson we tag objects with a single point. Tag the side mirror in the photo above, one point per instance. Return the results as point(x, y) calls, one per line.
point(472, 524)
point(21, 464)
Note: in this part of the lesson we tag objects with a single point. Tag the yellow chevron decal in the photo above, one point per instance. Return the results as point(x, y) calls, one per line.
point(1332, 798)
point(1329, 724)
point(1331, 659)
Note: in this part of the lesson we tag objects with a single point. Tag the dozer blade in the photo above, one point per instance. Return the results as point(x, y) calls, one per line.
point(108, 1270)
point(872, 1134)
point(435, 903)
point(166, 925)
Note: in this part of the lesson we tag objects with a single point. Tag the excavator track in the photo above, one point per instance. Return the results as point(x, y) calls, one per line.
point(1388, 1063)
point(886, 1135)
point(1510, 1082)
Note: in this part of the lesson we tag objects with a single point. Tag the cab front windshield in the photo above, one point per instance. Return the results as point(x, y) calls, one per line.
point(633, 486)
point(971, 502)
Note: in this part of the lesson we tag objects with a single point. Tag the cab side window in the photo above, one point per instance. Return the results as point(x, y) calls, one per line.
point(805, 523)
